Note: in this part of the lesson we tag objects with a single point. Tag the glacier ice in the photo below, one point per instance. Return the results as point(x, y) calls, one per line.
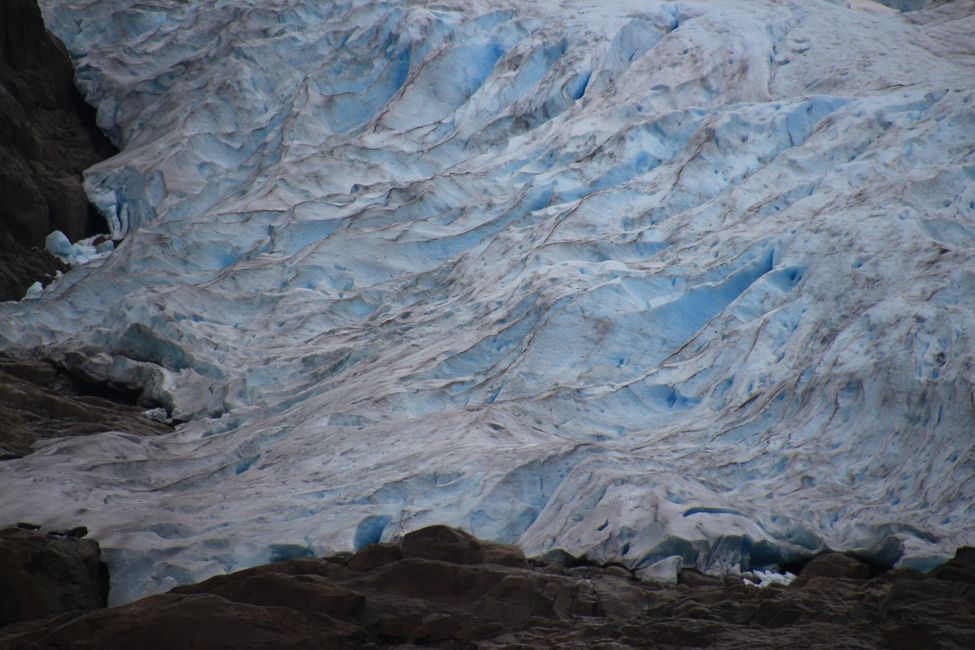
point(84, 251)
point(663, 283)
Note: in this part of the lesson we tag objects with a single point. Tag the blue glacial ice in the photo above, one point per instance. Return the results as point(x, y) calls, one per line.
point(663, 283)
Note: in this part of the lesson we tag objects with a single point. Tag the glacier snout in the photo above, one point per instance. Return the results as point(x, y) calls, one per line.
point(666, 284)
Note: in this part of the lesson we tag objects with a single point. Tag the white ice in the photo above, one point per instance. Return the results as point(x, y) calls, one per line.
point(664, 283)
point(760, 578)
point(83, 251)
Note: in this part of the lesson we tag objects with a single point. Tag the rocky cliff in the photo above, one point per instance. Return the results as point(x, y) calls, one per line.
point(48, 137)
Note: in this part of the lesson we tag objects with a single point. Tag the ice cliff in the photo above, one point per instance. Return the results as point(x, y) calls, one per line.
point(665, 283)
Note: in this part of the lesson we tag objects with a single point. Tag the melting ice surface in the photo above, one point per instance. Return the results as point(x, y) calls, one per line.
point(665, 283)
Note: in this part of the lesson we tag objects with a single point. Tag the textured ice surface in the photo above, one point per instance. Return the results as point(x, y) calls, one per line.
point(669, 284)
point(81, 252)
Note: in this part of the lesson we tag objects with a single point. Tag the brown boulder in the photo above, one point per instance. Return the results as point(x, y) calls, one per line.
point(835, 565)
point(456, 546)
point(42, 575)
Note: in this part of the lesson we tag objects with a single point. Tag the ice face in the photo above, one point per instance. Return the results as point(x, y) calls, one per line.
point(667, 284)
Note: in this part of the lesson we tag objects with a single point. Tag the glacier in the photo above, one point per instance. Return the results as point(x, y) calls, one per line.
point(666, 284)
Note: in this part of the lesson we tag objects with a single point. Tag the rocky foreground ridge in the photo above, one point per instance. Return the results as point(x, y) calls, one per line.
point(441, 588)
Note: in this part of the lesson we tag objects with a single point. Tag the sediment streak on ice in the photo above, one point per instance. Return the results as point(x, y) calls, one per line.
point(664, 283)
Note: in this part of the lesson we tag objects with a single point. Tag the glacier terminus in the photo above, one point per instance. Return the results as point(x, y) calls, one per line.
point(666, 284)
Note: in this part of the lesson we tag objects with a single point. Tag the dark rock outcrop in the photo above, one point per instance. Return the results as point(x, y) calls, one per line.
point(37, 401)
point(48, 137)
point(835, 565)
point(447, 544)
point(441, 588)
point(45, 574)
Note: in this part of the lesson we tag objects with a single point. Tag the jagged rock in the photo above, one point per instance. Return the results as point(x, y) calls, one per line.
point(388, 596)
point(48, 137)
point(37, 401)
point(21, 265)
point(960, 568)
point(43, 574)
point(619, 597)
point(935, 611)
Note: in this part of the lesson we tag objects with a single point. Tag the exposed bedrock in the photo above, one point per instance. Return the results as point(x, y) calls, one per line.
point(441, 588)
point(47, 138)
point(38, 400)
point(49, 573)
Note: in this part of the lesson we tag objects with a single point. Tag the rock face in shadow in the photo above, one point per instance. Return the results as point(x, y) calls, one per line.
point(43, 574)
point(48, 137)
point(39, 401)
point(441, 588)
